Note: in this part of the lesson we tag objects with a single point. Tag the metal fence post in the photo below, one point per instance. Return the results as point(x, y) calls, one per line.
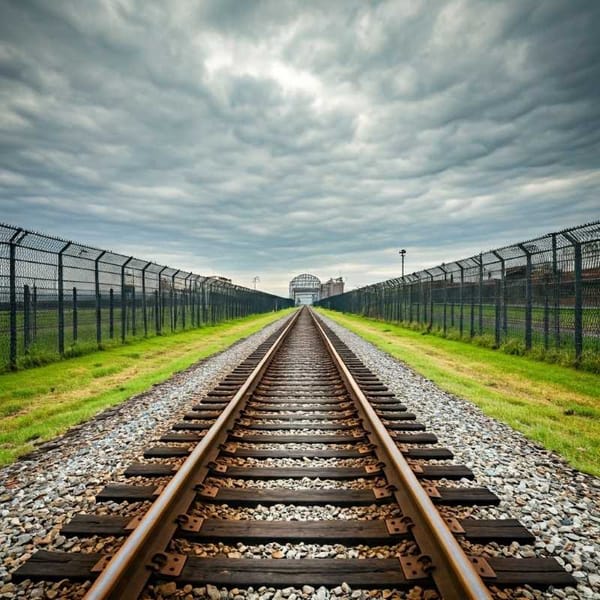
point(13, 297)
point(504, 309)
point(419, 297)
point(556, 286)
point(144, 303)
point(578, 317)
point(401, 301)
point(34, 312)
point(133, 307)
point(546, 318)
point(193, 304)
point(528, 298)
point(430, 325)
point(75, 323)
point(173, 304)
point(204, 309)
point(98, 299)
point(185, 301)
point(472, 311)
point(480, 299)
point(452, 302)
point(61, 301)
point(445, 298)
point(156, 313)
point(111, 314)
point(161, 301)
point(461, 300)
point(578, 303)
point(26, 318)
point(124, 300)
point(498, 310)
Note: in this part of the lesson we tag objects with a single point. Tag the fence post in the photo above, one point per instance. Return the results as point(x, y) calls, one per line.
point(26, 318)
point(556, 280)
point(156, 313)
point(578, 317)
point(480, 299)
point(452, 302)
point(502, 292)
point(111, 314)
point(419, 296)
point(546, 318)
point(124, 300)
point(61, 301)
point(144, 303)
point(528, 297)
point(461, 300)
point(472, 311)
point(185, 302)
point(193, 304)
point(444, 315)
point(430, 325)
point(410, 301)
point(13, 296)
point(498, 286)
point(402, 301)
point(161, 300)
point(34, 312)
point(133, 323)
point(172, 302)
point(75, 314)
point(98, 298)
point(578, 303)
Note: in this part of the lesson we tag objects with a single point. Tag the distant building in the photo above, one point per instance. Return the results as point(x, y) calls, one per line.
point(308, 289)
point(305, 289)
point(332, 287)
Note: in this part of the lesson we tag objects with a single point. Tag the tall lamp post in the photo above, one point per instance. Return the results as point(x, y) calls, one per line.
point(255, 279)
point(402, 253)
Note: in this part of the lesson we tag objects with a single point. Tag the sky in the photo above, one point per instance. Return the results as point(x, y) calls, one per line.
point(272, 138)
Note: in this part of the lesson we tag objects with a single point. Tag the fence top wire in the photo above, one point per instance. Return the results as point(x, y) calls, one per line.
point(491, 260)
point(41, 242)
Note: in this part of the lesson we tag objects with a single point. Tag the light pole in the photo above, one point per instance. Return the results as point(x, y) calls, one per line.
point(255, 279)
point(402, 253)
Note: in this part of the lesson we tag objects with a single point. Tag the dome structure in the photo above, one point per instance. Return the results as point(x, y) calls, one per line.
point(305, 289)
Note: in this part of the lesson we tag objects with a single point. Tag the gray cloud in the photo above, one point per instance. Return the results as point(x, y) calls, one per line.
point(274, 137)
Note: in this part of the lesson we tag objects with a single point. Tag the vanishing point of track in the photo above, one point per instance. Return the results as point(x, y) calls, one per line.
point(301, 395)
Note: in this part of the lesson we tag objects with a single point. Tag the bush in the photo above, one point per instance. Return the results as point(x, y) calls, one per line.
point(514, 347)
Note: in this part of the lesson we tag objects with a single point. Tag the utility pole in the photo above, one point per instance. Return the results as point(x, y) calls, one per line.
point(402, 253)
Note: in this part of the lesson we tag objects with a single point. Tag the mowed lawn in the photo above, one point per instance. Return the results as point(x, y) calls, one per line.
point(559, 407)
point(40, 403)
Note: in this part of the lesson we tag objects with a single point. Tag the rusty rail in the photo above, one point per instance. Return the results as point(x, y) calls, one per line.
point(129, 569)
point(451, 569)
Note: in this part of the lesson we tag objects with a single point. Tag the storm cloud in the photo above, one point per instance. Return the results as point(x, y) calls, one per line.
point(273, 138)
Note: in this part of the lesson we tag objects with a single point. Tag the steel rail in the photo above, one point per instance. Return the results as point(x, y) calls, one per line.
point(453, 572)
point(117, 580)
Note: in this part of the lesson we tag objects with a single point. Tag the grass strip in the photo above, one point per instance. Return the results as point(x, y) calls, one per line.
point(558, 407)
point(41, 403)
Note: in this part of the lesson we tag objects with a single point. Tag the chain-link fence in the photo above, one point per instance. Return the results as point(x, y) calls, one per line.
point(61, 297)
point(543, 292)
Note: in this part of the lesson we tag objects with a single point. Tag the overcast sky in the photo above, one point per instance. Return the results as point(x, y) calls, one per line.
point(248, 138)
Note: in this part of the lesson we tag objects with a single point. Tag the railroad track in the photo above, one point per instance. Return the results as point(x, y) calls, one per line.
point(301, 408)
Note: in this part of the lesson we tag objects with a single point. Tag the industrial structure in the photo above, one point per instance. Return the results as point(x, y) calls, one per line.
point(308, 289)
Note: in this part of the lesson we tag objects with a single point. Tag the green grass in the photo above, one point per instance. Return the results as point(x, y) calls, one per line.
point(43, 402)
point(556, 406)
